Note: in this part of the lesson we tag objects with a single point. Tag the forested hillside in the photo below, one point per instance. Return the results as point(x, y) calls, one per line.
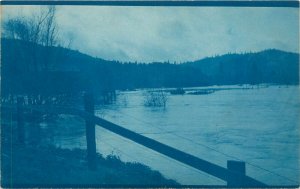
point(27, 67)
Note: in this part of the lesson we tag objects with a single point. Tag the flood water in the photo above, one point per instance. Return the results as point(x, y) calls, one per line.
point(258, 125)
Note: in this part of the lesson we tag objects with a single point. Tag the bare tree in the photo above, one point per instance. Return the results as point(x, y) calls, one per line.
point(38, 29)
point(49, 37)
point(155, 98)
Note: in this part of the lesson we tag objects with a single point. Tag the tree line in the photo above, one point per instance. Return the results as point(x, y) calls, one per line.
point(73, 71)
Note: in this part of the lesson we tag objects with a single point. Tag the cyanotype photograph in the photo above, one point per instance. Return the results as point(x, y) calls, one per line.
point(159, 94)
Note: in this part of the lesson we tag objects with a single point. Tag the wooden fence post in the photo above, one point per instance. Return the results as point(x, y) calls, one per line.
point(239, 168)
point(90, 132)
point(20, 120)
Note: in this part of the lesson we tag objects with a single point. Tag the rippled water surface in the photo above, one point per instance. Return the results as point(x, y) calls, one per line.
point(257, 125)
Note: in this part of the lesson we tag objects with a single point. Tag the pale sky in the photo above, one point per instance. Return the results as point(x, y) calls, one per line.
point(147, 34)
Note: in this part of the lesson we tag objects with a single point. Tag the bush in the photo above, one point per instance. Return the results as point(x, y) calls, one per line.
point(155, 98)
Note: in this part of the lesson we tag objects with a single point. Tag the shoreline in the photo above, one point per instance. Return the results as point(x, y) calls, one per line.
point(40, 165)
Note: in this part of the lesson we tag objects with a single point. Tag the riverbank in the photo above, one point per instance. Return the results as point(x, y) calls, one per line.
point(36, 165)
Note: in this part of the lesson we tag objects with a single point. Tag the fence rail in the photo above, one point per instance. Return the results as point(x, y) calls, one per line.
point(234, 174)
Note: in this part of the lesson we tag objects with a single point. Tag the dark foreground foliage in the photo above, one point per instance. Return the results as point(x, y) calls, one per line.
point(27, 165)
point(31, 166)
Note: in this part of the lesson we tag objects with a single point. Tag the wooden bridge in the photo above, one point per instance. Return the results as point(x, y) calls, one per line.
point(234, 174)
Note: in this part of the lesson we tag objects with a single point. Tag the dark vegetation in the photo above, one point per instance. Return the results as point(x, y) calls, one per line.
point(155, 98)
point(40, 164)
point(72, 71)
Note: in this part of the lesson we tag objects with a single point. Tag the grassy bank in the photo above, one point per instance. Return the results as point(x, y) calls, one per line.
point(48, 166)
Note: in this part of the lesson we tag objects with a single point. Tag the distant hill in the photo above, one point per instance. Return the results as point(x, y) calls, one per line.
point(33, 68)
point(268, 66)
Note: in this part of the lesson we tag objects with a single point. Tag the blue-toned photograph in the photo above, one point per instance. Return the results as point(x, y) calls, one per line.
point(150, 95)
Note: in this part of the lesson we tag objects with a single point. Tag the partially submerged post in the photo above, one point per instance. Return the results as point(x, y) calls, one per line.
point(20, 120)
point(90, 132)
point(239, 168)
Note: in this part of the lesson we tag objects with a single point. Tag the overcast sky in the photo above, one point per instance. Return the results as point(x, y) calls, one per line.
point(147, 34)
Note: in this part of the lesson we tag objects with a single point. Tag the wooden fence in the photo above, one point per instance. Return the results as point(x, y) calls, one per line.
point(234, 174)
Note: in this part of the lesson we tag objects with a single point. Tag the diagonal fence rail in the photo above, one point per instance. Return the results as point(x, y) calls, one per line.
point(234, 174)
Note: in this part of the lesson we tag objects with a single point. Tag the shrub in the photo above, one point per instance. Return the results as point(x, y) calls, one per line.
point(155, 98)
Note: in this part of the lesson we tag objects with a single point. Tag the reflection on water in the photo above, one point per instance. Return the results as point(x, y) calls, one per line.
point(259, 126)
point(66, 131)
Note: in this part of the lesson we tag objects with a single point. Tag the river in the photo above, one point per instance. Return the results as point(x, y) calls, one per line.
point(258, 125)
